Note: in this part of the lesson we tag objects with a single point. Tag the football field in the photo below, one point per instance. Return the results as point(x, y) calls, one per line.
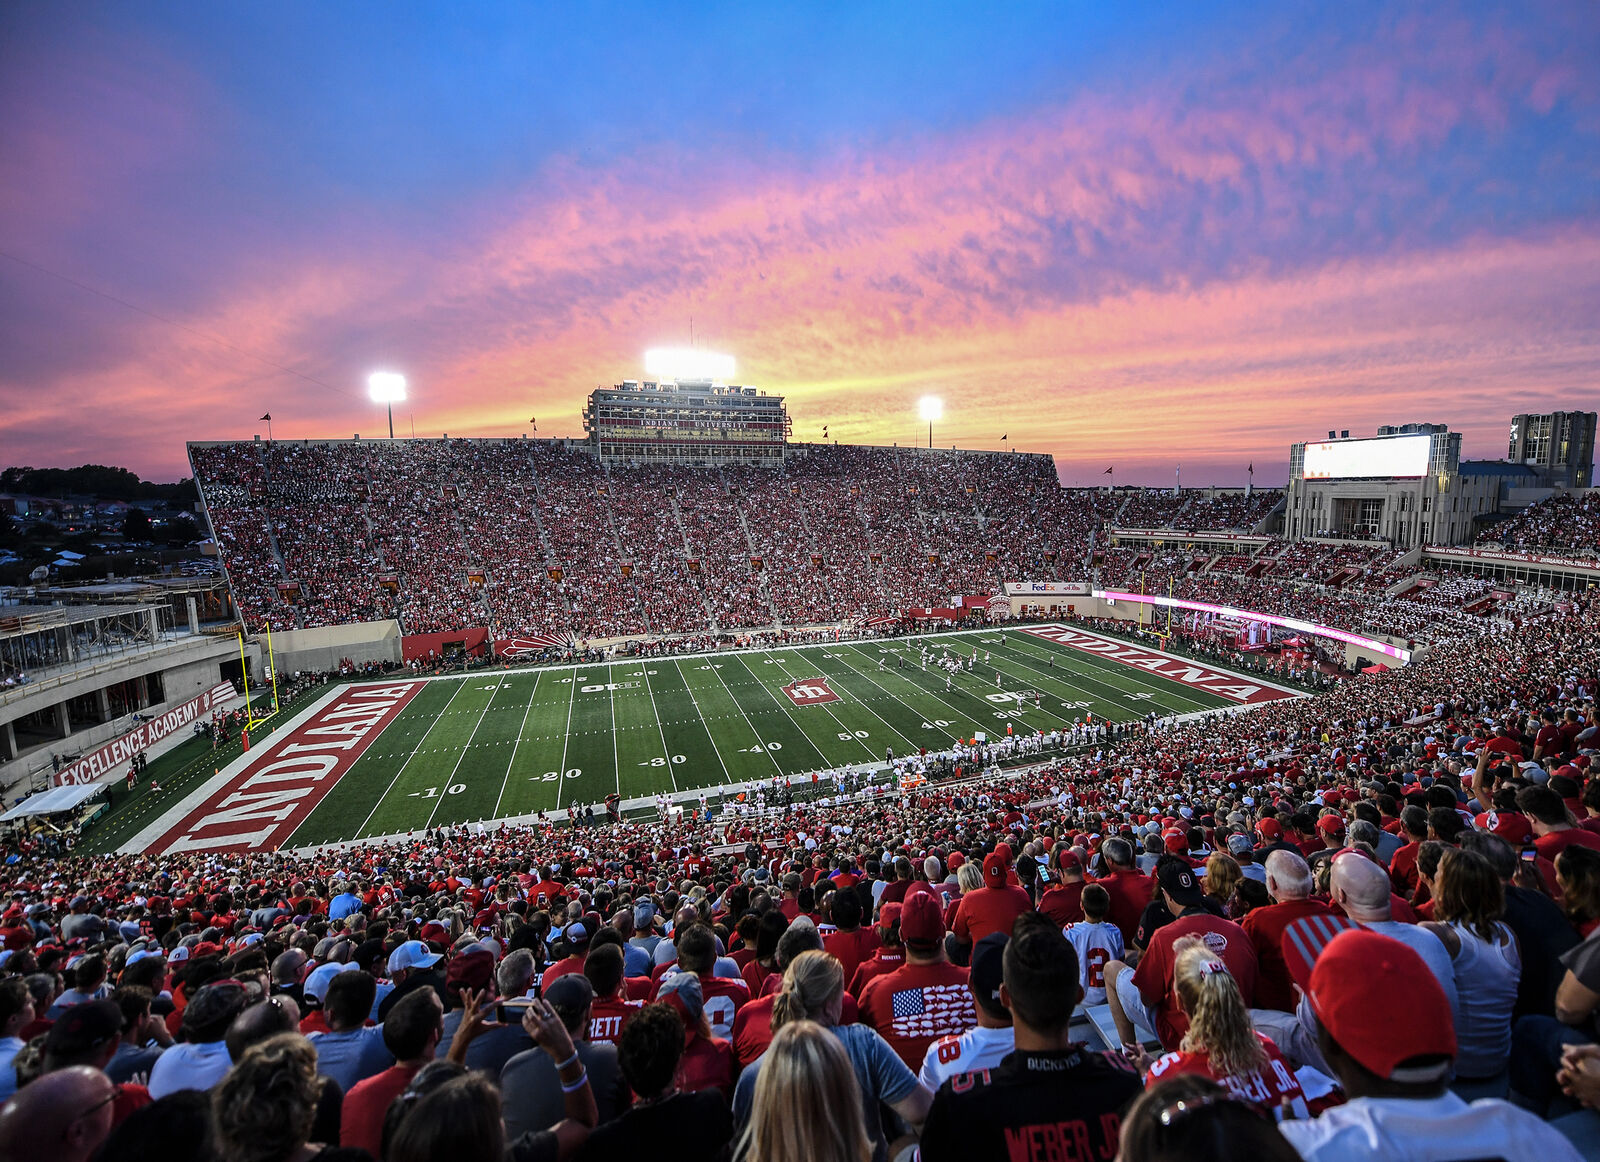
point(391, 757)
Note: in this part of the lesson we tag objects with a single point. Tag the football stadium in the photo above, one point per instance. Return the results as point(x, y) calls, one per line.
point(686, 781)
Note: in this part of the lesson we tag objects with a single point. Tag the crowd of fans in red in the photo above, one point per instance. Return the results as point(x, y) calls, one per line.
point(531, 537)
point(1565, 525)
point(1343, 926)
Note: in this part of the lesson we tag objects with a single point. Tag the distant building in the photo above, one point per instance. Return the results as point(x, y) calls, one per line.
point(1407, 486)
point(1559, 446)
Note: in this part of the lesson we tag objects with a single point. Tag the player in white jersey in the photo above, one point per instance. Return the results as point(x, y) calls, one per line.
point(981, 1047)
point(1096, 942)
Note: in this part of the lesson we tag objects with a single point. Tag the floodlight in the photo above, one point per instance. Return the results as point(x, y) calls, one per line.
point(386, 387)
point(687, 363)
point(931, 408)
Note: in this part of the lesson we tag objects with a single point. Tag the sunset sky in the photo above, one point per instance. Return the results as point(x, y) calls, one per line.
point(1129, 235)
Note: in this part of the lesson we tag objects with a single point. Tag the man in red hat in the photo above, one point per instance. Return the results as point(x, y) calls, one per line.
point(1385, 1028)
point(1144, 1002)
point(991, 908)
point(925, 999)
point(1063, 901)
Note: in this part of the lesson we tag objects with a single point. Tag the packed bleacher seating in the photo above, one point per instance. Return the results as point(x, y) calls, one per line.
point(1363, 847)
point(1567, 525)
point(532, 538)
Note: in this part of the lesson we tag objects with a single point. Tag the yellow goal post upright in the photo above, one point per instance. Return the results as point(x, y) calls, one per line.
point(252, 719)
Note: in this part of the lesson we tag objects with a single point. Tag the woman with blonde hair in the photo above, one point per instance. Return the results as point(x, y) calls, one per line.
point(813, 993)
point(1222, 876)
point(1221, 1043)
point(807, 1105)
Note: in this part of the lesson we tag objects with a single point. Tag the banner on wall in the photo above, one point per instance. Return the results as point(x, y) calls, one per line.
point(110, 758)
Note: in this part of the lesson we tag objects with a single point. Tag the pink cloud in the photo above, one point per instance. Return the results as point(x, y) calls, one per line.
point(1136, 279)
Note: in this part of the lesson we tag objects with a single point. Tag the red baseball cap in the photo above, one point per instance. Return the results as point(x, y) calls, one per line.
point(1269, 829)
point(888, 915)
point(956, 860)
point(1177, 842)
point(1331, 825)
point(920, 920)
point(994, 869)
point(1067, 859)
point(1379, 1000)
point(1508, 825)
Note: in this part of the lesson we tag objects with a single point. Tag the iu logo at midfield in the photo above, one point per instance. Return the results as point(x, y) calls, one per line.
point(810, 692)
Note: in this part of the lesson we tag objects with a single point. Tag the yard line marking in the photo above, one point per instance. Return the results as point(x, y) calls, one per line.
point(763, 687)
point(616, 755)
point(414, 752)
point(445, 790)
point(765, 749)
point(566, 737)
point(868, 705)
point(715, 749)
point(506, 782)
point(656, 712)
point(934, 694)
point(1047, 675)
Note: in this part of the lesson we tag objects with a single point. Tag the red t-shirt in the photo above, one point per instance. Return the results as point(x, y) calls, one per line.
point(986, 910)
point(915, 1005)
point(755, 975)
point(850, 949)
point(361, 1117)
point(1270, 1086)
point(1264, 926)
point(1130, 891)
point(1403, 869)
point(572, 965)
point(883, 961)
point(1554, 843)
point(705, 1065)
point(608, 1016)
point(1063, 904)
point(1153, 977)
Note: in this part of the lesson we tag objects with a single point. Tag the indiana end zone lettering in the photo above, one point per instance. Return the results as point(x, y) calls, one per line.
point(1193, 674)
point(261, 805)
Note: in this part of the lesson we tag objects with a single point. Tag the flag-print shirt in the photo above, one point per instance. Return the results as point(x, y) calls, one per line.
point(915, 1005)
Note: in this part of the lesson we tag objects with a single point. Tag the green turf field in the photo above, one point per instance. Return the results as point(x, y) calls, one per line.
point(499, 744)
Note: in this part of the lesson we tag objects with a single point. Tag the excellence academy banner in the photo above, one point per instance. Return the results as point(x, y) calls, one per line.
point(114, 755)
point(259, 806)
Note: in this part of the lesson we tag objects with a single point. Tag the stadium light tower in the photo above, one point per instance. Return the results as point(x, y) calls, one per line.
point(930, 408)
point(387, 387)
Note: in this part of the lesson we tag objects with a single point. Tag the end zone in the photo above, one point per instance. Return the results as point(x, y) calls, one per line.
point(264, 795)
point(1248, 691)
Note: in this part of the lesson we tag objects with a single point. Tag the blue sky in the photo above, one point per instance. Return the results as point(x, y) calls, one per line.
point(1230, 225)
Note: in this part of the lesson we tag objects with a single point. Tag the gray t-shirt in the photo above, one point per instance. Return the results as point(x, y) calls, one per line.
point(880, 1073)
point(530, 1088)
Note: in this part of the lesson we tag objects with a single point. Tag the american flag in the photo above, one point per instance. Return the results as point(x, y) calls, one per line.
point(932, 1010)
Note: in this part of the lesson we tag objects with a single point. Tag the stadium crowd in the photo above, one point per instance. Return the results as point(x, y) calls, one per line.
point(1365, 923)
point(532, 537)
